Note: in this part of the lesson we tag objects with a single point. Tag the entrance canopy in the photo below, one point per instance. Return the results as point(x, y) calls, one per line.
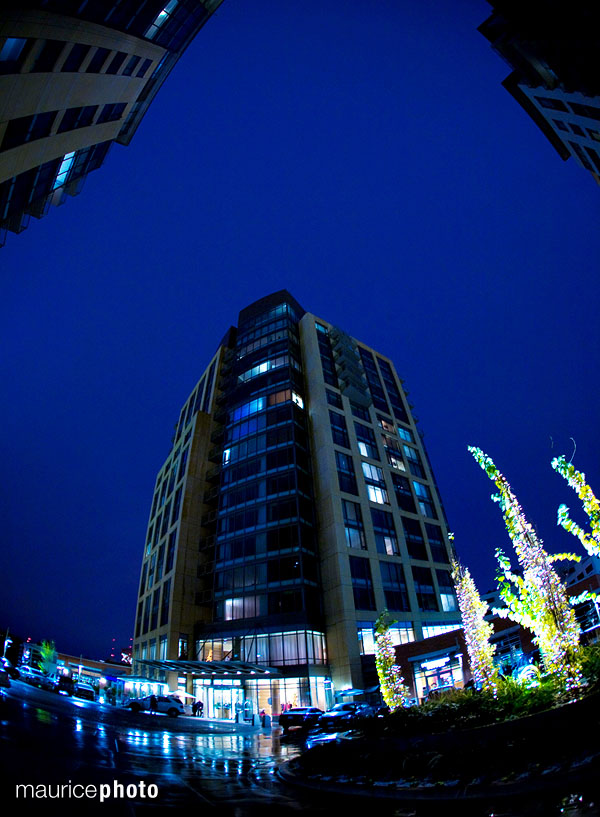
point(349, 692)
point(214, 669)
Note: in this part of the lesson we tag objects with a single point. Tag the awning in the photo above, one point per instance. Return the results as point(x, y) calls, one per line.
point(208, 669)
point(345, 692)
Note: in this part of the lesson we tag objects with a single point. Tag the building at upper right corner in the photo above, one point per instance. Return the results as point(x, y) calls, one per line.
point(75, 77)
point(552, 48)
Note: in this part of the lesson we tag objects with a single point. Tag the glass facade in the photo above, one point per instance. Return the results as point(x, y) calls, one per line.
point(294, 446)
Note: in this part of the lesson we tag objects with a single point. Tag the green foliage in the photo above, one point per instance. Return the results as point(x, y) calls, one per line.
point(393, 689)
point(467, 708)
point(47, 657)
point(590, 666)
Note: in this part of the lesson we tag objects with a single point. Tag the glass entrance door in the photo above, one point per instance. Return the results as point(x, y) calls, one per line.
point(223, 700)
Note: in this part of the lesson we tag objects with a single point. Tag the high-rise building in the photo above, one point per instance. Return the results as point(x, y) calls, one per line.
point(76, 76)
point(552, 48)
point(297, 503)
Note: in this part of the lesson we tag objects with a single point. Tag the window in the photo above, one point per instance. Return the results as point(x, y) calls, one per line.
point(362, 584)
point(144, 67)
point(334, 399)
point(386, 539)
point(385, 423)
point(97, 61)
point(400, 634)
point(552, 104)
point(394, 459)
point(414, 461)
point(25, 129)
point(394, 586)
point(405, 434)
point(424, 589)
point(433, 628)
point(166, 598)
point(63, 170)
point(74, 118)
point(339, 431)
point(75, 58)
point(591, 111)
point(47, 57)
point(13, 54)
point(111, 112)
point(353, 525)
point(437, 546)
point(447, 594)
point(424, 499)
point(116, 62)
point(414, 538)
point(404, 496)
point(264, 367)
point(367, 444)
point(375, 483)
point(361, 412)
point(375, 387)
point(391, 443)
point(393, 392)
point(345, 469)
point(130, 67)
point(161, 18)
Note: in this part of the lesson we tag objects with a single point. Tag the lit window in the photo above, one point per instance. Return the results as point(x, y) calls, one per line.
point(63, 170)
point(161, 18)
point(377, 494)
point(297, 400)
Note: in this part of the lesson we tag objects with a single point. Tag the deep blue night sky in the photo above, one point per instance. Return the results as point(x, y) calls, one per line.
point(362, 155)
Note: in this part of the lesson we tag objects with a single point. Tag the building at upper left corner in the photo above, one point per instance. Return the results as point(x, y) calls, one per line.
point(76, 76)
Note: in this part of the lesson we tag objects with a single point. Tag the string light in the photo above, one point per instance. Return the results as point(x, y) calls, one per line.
point(537, 599)
point(476, 629)
point(577, 481)
point(394, 691)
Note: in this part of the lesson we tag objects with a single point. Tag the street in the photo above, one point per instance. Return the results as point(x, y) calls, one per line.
point(50, 740)
point(72, 756)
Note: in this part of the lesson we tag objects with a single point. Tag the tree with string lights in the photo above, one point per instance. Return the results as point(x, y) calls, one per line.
point(576, 479)
point(476, 629)
point(537, 599)
point(394, 691)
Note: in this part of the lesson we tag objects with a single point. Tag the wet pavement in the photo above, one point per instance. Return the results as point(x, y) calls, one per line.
point(141, 764)
point(49, 740)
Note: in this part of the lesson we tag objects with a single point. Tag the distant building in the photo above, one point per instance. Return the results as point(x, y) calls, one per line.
point(296, 503)
point(552, 47)
point(74, 78)
point(442, 661)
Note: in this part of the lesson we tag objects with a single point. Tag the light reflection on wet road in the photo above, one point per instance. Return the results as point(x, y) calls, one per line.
point(48, 738)
point(224, 770)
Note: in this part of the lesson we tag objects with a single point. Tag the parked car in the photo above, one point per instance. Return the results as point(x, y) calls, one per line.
point(65, 684)
point(13, 672)
point(35, 677)
point(165, 704)
point(341, 716)
point(85, 691)
point(301, 717)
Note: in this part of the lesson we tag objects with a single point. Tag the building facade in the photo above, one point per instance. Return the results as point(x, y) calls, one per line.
point(552, 48)
point(296, 504)
point(75, 77)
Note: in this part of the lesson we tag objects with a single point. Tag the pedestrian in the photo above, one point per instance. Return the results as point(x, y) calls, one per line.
point(200, 708)
point(195, 708)
point(153, 704)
